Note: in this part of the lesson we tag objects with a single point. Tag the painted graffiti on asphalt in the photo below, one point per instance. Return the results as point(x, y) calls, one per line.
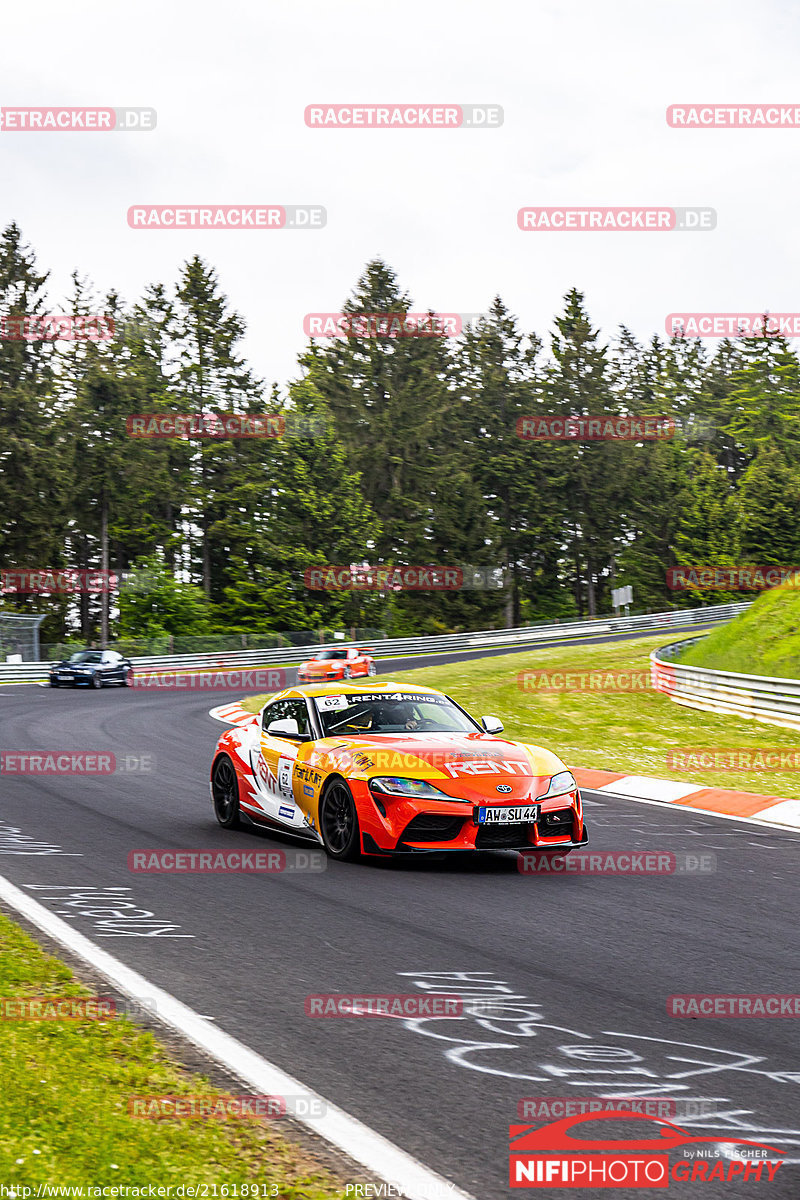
point(504, 1033)
point(111, 911)
point(14, 841)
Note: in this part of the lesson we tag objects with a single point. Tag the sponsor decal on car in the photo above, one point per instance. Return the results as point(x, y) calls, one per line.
point(488, 766)
point(307, 774)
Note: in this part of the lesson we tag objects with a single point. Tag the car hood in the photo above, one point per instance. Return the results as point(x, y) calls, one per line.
point(316, 667)
point(473, 764)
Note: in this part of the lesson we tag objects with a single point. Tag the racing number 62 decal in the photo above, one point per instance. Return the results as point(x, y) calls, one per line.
point(285, 775)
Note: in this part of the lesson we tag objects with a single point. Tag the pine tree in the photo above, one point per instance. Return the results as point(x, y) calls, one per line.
point(578, 383)
point(213, 378)
point(706, 533)
point(34, 461)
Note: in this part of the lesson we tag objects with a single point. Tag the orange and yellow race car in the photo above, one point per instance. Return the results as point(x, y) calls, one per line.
point(388, 768)
point(344, 663)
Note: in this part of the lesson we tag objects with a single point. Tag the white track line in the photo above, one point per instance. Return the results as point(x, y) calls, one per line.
point(378, 1156)
point(700, 812)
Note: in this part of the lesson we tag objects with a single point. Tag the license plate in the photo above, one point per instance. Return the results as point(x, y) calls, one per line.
point(67, 677)
point(516, 814)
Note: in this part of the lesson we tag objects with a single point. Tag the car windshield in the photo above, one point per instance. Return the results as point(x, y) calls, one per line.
point(325, 654)
point(395, 713)
point(87, 656)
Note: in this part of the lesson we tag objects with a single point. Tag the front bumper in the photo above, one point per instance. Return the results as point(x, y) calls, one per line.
point(405, 825)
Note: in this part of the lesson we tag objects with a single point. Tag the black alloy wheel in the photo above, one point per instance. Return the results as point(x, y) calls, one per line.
point(225, 793)
point(338, 821)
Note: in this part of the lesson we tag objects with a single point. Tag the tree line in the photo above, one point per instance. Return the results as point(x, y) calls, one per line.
point(395, 450)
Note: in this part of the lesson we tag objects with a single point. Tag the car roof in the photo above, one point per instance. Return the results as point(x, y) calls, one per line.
point(354, 687)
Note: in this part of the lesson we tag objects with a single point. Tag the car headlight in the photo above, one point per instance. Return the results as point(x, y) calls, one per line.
point(418, 788)
point(560, 784)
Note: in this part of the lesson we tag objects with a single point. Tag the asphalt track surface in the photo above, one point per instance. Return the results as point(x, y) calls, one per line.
point(588, 961)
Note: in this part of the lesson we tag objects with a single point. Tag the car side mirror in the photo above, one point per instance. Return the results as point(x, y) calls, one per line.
point(287, 727)
point(492, 724)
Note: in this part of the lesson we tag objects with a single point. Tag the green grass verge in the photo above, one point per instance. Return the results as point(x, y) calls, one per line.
point(64, 1093)
point(621, 731)
point(764, 640)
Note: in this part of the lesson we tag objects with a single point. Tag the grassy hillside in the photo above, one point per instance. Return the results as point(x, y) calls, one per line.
point(765, 640)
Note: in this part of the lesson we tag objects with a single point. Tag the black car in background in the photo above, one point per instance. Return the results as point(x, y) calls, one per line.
point(92, 668)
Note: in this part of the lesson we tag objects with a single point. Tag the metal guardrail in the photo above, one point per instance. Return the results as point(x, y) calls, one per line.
point(773, 700)
point(397, 647)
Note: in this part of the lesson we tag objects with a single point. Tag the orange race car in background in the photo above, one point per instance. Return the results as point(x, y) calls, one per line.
point(346, 663)
point(388, 768)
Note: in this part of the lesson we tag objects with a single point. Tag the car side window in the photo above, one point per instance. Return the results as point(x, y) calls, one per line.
point(273, 712)
point(284, 710)
point(298, 710)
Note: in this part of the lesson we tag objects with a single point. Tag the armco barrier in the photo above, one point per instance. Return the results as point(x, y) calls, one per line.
point(766, 698)
point(397, 647)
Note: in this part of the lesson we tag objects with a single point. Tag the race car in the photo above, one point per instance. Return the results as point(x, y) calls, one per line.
point(388, 769)
point(336, 664)
point(92, 668)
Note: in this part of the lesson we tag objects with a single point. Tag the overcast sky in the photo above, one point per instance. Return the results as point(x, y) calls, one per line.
point(584, 85)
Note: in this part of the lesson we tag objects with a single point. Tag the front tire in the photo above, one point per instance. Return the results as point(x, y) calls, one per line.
point(53, 683)
point(97, 680)
point(338, 823)
point(225, 793)
point(347, 673)
point(373, 670)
